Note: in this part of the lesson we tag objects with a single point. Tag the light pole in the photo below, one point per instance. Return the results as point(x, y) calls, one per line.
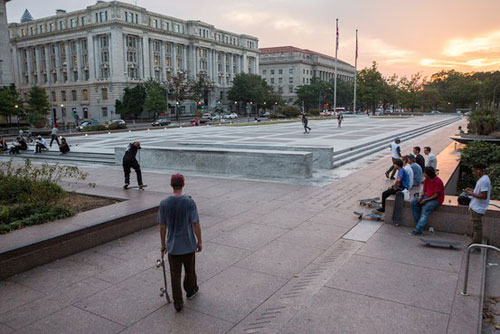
point(62, 114)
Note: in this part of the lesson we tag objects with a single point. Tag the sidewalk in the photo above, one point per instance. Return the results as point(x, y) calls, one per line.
point(274, 260)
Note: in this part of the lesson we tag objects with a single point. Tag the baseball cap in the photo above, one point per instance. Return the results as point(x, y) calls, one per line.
point(397, 139)
point(177, 180)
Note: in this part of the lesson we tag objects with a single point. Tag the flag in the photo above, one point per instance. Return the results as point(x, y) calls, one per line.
point(356, 44)
point(337, 38)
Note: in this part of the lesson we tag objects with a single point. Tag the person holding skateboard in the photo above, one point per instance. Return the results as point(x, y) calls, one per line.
point(432, 197)
point(178, 216)
point(480, 199)
point(129, 161)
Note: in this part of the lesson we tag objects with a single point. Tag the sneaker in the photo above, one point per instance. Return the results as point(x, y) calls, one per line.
point(381, 209)
point(192, 294)
point(393, 178)
point(414, 233)
point(125, 186)
point(178, 308)
point(387, 174)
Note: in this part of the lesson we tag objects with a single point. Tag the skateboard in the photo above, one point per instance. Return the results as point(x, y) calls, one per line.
point(370, 215)
point(163, 291)
point(441, 243)
point(397, 213)
point(370, 202)
point(138, 187)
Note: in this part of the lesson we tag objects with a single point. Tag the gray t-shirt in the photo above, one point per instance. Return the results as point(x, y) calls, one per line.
point(179, 213)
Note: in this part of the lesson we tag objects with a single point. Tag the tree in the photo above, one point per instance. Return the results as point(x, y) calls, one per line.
point(156, 98)
point(372, 87)
point(38, 106)
point(409, 90)
point(250, 88)
point(179, 89)
point(10, 103)
point(314, 94)
point(201, 89)
point(132, 102)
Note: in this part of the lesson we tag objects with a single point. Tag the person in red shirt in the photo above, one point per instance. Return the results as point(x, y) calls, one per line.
point(432, 197)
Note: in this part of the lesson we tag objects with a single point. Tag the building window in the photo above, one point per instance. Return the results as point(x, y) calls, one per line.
point(40, 29)
point(280, 71)
point(264, 72)
point(272, 80)
point(63, 95)
point(280, 80)
point(104, 112)
point(51, 27)
point(63, 112)
point(290, 89)
point(104, 93)
point(272, 72)
point(53, 93)
point(72, 23)
point(280, 90)
point(290, 80)
point(84, 20)
point(31, 31)
point(85, 95)
point(85, 112)
point(73, 95)
point(290, 71)
point(62, 25)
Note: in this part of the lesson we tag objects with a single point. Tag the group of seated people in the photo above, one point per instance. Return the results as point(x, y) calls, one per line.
point(412, 172)
point(41, 144)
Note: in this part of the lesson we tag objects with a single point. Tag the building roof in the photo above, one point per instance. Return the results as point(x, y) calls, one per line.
point(287, 49)
point(26, 16)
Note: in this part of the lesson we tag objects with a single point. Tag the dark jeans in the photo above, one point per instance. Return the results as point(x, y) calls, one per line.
point(306, 128)
point(190, 282)
point(54, 137)
point(126, 169)
point(39, 148)
point(392, 169)
point(387, 193)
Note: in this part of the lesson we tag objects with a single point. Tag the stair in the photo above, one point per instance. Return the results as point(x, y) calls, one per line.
point(70, 157)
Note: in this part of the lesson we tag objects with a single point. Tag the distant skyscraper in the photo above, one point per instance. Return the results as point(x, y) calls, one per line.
point(26, 17)
point(6, 77)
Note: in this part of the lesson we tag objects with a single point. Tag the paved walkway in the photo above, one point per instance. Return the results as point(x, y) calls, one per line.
point(274, 261)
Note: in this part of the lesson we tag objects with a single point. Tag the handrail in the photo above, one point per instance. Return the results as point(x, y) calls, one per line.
point(469, 249)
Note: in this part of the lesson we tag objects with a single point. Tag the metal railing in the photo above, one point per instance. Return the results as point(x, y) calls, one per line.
point(469, 249)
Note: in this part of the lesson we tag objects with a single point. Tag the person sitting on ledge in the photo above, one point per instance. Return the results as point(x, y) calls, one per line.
point(64, 147)
point(432, 197)
point(41, 144)
point(3, 145)
point(417, 171)
point(19, 145)
point(402, 182)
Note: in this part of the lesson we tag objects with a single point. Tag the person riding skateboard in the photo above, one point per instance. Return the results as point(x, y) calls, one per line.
point(129, 161)
point(178, 216)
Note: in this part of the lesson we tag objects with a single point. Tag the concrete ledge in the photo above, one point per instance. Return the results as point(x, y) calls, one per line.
point(41, 244)
point(322, 156)
point(262, 163)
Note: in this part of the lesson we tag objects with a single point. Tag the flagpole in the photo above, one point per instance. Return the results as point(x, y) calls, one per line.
point(355, 72)
point(335, 77)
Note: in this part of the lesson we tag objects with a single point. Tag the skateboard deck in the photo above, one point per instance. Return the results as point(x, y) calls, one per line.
point(397, 214)
point(370, 202)
point(163, 290)
point(138, 187)
point(370, 215)
point(441, 243)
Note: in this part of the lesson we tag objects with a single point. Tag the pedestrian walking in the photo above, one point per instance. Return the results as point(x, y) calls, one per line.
point(479, 201)
point(53, 134)
point(179, 222)
point(395, 155)
point(129, 161)
point(340, 118)
point(419, 159)
point(304, 123)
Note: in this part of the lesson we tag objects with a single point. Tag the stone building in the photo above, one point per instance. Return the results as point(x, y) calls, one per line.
point(6, 75)
point(287, 67)
point(85, 59)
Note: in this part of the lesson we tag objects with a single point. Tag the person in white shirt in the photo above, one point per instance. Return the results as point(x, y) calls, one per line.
point(431, 160)
point(395, 155)
point(409, 170)
point(41, 144)
point(53, 135)
point(479, 201)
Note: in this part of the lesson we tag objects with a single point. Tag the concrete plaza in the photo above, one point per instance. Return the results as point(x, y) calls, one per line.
point(277, 258)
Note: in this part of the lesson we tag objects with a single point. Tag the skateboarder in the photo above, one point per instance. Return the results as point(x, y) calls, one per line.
point(304, 122)
point(53, 135)
point(340, 118)
point(402, 182)
point(419, 159)
point(396, 154)
point(129, 161)
point(479, 201)
point(178, 216)
point(432, 197)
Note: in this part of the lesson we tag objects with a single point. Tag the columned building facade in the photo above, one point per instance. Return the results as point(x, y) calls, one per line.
point(85, 59)
point(6, 75)
point(287, 67)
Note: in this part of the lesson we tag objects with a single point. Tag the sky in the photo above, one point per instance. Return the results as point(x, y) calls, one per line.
point(404, 37)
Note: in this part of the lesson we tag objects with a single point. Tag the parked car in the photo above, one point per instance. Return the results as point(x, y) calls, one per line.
point(435, 112)
point(207, 115)
point(161, 122)
point(231, 116)
point(326, 113)
point(117, 121)
point(86, 124)
point(216, 117)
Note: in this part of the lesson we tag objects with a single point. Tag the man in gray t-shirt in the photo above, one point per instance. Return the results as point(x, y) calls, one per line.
point(178, 215)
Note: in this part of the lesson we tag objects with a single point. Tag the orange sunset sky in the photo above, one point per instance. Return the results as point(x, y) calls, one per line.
point(404, 37)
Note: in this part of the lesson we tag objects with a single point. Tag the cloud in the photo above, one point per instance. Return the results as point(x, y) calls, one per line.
point(276, 22)
point(485, 44)
point(443, 63)
point(380, 51)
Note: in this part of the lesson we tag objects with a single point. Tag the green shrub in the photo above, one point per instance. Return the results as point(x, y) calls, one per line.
point(314, 112)
point(95, 128)
point(13, 189)
point(116, 126)
point(274, 115)
point(484, 122)
point(290, 111)
point(484, 153)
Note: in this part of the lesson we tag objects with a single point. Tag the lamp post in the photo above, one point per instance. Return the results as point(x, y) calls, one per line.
point(62, 113)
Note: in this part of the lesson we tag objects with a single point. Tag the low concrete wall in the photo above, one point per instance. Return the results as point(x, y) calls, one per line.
point(29, 256)
point(260, 163)
point(322, 156)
